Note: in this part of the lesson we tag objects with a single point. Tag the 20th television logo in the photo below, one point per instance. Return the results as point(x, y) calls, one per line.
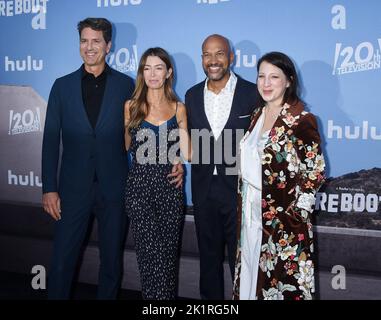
point(364, 56)
point(24, 122)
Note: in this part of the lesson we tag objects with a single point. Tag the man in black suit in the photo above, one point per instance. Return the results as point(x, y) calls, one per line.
point(221, 105)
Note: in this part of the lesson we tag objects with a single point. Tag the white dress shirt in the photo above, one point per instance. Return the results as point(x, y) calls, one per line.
point(218, 106)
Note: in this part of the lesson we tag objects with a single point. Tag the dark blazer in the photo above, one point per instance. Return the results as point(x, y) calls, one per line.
point(85, 151)
point(243, 105)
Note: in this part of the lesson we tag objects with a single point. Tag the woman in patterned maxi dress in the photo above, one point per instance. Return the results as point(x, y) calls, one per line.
point(156, 130)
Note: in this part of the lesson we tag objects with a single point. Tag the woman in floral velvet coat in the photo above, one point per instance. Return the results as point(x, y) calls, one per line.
point(282, 167)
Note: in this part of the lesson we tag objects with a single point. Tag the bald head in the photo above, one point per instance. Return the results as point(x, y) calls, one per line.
point(221, 40)
point(217, 57)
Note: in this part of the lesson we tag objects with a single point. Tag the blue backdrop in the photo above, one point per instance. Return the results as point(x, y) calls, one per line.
point(335, 45)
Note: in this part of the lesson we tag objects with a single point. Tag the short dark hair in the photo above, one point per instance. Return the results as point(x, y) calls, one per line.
point(284, 63)
point(97, 24)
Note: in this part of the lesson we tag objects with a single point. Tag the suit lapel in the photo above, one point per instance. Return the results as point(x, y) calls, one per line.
point(290, 115)
point(201, 105)
point(234, 110)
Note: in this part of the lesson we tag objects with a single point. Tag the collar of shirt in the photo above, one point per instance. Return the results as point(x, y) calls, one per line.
point(85, 74)
point(229, 87)
point(218, 106)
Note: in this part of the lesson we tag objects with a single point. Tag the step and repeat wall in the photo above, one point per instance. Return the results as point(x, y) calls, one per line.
point(336, 46)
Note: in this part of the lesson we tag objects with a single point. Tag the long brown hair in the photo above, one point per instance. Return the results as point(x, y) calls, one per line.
point(139, 106)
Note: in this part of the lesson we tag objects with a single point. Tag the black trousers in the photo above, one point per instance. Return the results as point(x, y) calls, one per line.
point(216, 227)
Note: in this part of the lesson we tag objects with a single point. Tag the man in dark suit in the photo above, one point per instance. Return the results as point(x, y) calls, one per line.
point(222, 104)
point(85, 113)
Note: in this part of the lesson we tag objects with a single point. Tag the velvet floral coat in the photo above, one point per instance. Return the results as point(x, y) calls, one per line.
point(292, 172)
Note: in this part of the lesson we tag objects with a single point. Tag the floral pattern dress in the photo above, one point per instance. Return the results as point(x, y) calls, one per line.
point(292, 173)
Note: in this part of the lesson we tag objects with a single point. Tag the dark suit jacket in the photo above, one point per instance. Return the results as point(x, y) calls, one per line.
point(85, 151)
point(243, 105)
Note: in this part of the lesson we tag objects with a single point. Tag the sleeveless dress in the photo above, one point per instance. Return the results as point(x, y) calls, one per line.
point(155, 207)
